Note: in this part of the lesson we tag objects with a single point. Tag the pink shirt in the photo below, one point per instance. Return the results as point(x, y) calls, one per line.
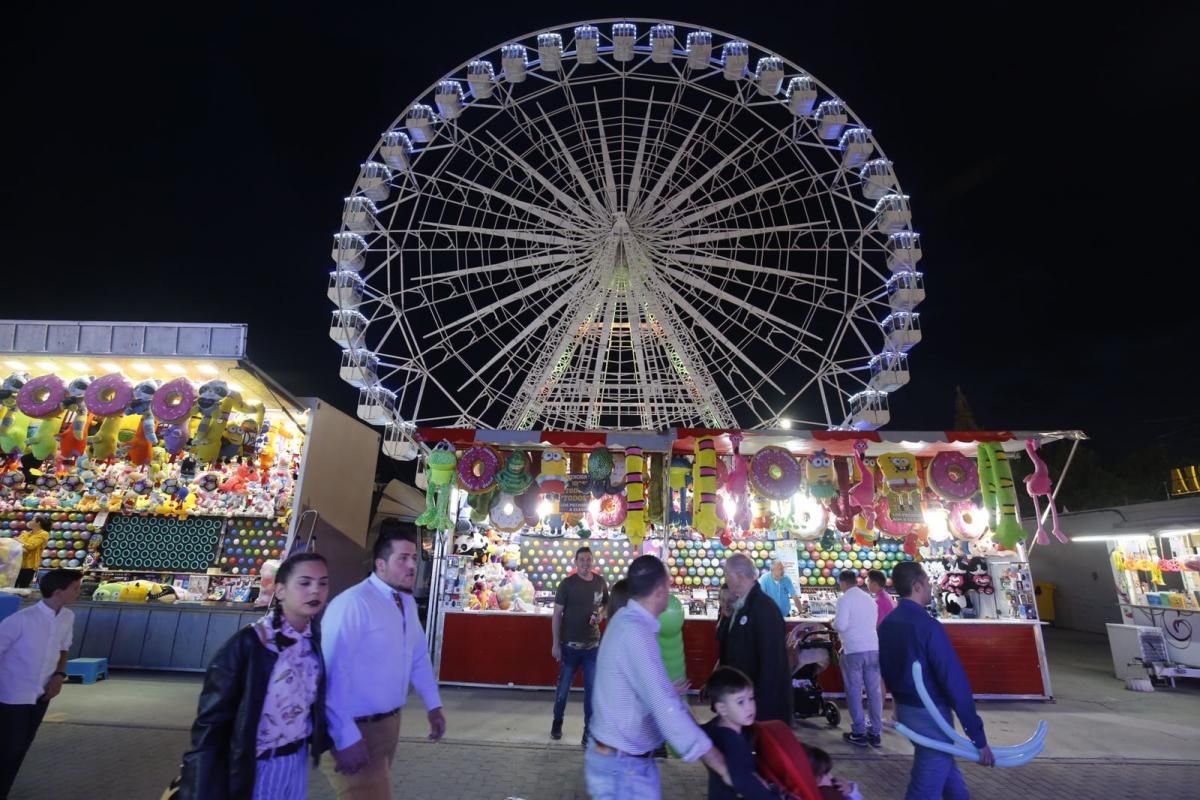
point(292, 689)
point(885, 605)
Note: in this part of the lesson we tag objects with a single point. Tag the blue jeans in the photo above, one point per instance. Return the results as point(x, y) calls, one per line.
point(934, 773)
point(859, 671)
point(620, 777)
point(572, 659)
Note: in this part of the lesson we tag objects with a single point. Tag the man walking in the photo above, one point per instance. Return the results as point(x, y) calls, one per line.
point(779, 587)
point(33, 656)
point(855, 624)
point(374, 647)
point(909, 634)
point(637, 706)
point(579, 606)
point(756, 641)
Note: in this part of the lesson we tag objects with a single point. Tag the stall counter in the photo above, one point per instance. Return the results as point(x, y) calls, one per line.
point(1005, 659)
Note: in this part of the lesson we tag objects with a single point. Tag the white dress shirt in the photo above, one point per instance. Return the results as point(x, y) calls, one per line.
point(31, 641)
point(635, 705)
point(372, 654)
point(855, 621)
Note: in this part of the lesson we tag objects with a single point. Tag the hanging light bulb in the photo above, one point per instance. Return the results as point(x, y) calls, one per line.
point(938, 522)
point(543, 509)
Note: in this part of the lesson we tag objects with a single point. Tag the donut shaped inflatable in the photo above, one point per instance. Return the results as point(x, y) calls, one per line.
point(174, 401)
point(953, 477)
point(108, 396)
point(506, 514)
point(811, 520)
point(774, 473)
point(613, 510)
point(477, 469)
point(42, 397)
point(967, 522)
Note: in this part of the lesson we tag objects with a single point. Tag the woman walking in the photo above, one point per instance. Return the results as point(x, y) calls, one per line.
point(264, 698)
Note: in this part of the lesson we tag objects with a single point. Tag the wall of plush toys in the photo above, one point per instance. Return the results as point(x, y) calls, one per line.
point(867, 508)
point(109, 443)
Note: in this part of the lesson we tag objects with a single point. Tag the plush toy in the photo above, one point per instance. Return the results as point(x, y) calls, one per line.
point(704, 477)
point(978, 576)
point(10, 440)
point(681, 479)
point(842, 507)
point(439, 473)
point(822, 480)
point(657, 467)
point(953, 586)
point(1037, 485)
point(863, 493)
point(903, 486)
point(11, 553)
point(73, 439)
point(16, 432)
point(635, 516)
point(670, 639)
point(737, 485)
point(599, 467)
point(999, 496)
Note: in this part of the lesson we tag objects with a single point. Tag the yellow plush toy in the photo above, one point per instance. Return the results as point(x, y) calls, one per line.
point(635, 519)
point(903, 486)
point(705, 480)
point(15, 431)
point(103, 443)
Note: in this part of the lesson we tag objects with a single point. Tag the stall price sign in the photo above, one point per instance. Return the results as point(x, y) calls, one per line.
point(576, 496)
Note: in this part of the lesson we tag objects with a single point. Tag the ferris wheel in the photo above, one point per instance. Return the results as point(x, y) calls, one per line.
point(629, 224)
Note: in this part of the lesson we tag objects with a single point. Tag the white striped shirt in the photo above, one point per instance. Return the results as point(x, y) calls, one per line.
point(635, 705)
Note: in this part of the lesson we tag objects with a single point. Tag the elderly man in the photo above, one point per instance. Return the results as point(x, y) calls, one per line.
point(636, 705)
point(779, 587)
point(756, 641)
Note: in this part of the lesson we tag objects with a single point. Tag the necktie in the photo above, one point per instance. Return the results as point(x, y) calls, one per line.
point(399, 598)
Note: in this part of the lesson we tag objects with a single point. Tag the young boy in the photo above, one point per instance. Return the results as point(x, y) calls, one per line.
point(822, 768)
point(732, 697)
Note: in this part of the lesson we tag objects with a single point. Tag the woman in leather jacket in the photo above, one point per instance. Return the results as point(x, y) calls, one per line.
point(263, 701)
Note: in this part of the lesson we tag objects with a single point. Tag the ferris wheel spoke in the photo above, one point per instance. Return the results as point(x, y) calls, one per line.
point(523, 262)
point(570, 203)
point(502, 233)
point(534, 288)
point(700, 260)
point(740, 233)
point(693, 281)
point(635, 180)
point(685, 194)
point(530, 208)
point(646, 204)
point(610, 181)
point(585, 188)
point(538, 322)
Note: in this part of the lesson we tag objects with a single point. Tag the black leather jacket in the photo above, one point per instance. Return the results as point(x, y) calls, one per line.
point(221, 763)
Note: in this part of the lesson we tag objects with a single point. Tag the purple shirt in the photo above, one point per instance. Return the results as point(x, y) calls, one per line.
point(885, 604)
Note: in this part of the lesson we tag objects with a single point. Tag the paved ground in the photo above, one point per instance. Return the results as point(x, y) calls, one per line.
point(122, 738)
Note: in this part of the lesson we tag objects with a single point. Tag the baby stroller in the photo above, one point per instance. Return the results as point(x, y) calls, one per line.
point(810, 652)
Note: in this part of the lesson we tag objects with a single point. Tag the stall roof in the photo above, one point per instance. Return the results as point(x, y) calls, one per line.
point(1141, 519)
point(682, 440)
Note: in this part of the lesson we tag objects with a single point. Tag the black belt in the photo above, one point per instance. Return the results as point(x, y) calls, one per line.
point(286, 750)
point(377, 717)
point(606, 750)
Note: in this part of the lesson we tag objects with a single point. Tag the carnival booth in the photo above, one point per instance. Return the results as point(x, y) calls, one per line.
point(170, 468)
point(515, 505)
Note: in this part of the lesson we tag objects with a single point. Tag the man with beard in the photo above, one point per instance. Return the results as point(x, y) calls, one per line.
point(756, 641)
point(374, 647)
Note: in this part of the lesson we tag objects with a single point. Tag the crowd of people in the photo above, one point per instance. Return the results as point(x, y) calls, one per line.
point(314, 677)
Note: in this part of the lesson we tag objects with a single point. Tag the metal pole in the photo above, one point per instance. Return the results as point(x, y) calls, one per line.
point(1057, 486)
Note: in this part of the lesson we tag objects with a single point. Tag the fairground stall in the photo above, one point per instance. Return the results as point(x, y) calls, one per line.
point(173, 472)
point(521, 502)
point(1154, 559)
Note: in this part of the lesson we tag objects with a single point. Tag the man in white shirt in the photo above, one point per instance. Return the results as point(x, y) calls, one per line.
point(636, 705)
point(374, 648)
point(33, 656)
point(855, 624)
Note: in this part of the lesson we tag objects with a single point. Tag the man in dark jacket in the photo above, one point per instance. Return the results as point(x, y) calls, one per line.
point(756, 641)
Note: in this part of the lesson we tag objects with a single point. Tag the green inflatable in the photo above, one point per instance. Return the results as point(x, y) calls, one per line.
point(670, 644)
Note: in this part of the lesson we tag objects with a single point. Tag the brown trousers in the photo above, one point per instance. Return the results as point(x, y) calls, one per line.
point(374, 781)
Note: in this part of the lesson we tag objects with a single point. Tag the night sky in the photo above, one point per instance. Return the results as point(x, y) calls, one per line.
point(191, 168)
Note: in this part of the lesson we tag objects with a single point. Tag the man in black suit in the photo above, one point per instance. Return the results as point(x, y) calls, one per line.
point(756, 641)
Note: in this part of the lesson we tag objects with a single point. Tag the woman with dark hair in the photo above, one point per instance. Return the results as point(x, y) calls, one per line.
point(264, 698)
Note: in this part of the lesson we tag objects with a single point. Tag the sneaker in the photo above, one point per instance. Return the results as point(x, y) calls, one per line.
point(556, 730)
point(875, 740)
point(856, 739)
